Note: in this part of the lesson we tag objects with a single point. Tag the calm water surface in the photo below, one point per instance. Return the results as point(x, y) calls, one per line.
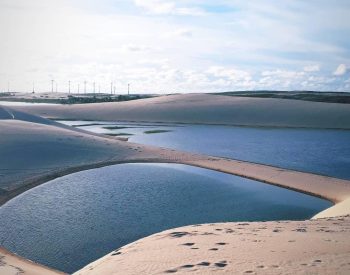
point(71, 221)
point(318, 151)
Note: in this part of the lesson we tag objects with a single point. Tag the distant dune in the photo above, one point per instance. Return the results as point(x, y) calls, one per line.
point(208, 109)
point(34, 150)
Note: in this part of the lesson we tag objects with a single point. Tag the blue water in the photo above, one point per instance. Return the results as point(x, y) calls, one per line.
point(71, 221)
point(319, 151)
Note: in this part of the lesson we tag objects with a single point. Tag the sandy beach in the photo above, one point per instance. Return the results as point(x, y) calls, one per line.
point(64, 150)
point(12, 264)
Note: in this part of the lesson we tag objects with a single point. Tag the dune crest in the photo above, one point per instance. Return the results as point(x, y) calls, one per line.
point(208, 109)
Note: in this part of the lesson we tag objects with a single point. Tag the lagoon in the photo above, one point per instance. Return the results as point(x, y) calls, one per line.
point(73, 220)
point(320, 151)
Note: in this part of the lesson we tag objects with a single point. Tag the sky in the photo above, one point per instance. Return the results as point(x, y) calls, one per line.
point(174, 46)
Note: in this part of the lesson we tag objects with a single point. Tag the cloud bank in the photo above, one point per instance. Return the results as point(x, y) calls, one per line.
point(175, 46)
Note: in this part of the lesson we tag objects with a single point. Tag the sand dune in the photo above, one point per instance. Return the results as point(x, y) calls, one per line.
point(208, 109)
point(34, 150)
point(33, 153)
point(286, 247)
point(7, 113)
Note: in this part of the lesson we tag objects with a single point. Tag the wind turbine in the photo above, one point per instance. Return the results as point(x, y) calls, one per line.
point(52, 81)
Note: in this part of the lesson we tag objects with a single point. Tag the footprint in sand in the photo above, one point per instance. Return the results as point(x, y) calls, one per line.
point(204, 264)
point(178, 234)
point(188, 244)
point(207, 233)
point(171, 271)
point(221, 264)
point(187, 266)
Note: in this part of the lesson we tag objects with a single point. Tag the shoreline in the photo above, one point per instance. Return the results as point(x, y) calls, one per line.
point(267, 174)
point(204, 123)
point(81, 150)
point(101, 262)
point(14, 264)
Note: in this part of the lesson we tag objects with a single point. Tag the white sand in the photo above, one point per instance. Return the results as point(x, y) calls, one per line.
point(210, 109)
point(324, 247)
point(63, 151)
point(287, 247)
point(12, 264)
point(340, 209)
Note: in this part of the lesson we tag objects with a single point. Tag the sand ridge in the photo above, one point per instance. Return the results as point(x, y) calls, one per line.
point(207, 109)
point(63, 150)
point(283, 247)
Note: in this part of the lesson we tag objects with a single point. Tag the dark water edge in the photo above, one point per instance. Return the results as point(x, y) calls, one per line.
point(319, 151)
point(71, 221)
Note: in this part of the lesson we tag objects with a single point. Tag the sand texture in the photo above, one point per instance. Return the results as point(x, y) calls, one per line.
point(286, 247)
point(12, 264)
point(33, 153)
point(208, 109)
point(34, 150)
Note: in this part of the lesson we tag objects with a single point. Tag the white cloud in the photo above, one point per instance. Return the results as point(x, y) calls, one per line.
point(180, 33)
point(229, 73)
point(312, 68)
point(341, 70)
point(166, 7)
point(283, 74)
point(156, 6)
point(190, 11)
point(135, 48)
point(104, 41)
